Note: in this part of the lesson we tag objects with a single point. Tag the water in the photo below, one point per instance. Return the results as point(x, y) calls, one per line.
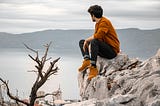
point(15, 64)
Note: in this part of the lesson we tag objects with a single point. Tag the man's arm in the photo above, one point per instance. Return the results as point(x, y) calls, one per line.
point(85, 45)
point(89, 38)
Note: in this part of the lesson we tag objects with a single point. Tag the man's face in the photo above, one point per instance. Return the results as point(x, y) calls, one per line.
point(93, 18)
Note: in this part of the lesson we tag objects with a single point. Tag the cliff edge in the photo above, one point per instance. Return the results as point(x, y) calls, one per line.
point(122, 81)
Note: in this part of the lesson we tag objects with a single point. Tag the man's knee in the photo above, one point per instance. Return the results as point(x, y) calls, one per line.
point(81, 42)
point(94, 42)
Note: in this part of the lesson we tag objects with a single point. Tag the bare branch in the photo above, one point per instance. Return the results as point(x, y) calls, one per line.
point(35, 59)
point(47, 45)
point(47, 94)
point(32, 71)
point(40, 66)
point(10, 95)
point(48, 58)
point(50, 69)
point(30, 48)
point(46, 52)
point(53, 72)
point(42, 75)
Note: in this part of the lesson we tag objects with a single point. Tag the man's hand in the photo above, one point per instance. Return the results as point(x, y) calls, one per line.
point(85, 45)
point(86, 42)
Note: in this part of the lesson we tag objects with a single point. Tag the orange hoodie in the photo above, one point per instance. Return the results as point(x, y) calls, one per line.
point(104, 31)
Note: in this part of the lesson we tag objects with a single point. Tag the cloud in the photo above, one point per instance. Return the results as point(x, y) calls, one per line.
point(131, 8)
point(68, 14)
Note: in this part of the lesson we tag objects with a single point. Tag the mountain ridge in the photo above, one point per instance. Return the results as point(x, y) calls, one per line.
point(78, 29)
point(66, 41)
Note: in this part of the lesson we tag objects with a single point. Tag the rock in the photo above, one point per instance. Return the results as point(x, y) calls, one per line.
point(123, 81)
point(155, 103)
point(91, 102)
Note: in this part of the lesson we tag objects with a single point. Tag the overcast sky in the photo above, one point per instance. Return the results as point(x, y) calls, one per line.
point(19, 16)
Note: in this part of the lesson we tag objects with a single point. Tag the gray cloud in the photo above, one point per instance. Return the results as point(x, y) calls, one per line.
point(73, 13)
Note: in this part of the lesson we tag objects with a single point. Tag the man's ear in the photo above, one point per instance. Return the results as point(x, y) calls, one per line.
point(93, 16)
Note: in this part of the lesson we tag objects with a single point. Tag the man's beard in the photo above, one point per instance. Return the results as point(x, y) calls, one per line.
point(93, 20)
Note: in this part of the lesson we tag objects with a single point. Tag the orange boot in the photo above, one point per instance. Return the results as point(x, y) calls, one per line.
point(93, 72)
point(85, 64)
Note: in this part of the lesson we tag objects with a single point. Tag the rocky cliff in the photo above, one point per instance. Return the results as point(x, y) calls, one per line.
point(122, 81)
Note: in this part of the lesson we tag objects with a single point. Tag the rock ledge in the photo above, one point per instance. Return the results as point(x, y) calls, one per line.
point(122, 82)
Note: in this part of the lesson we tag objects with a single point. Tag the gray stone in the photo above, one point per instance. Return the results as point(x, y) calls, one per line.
point(155, 103)
point(123, 81)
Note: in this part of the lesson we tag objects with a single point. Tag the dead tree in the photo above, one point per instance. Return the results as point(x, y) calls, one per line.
point(42, 76)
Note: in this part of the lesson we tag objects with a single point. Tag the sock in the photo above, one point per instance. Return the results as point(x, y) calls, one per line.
point(93, 63)
point(86, 57)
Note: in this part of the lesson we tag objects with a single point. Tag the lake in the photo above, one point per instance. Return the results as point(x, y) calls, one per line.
point(15, 63)
point(15, 66)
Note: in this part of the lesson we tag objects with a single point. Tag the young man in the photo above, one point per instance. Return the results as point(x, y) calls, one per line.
point(104, 42)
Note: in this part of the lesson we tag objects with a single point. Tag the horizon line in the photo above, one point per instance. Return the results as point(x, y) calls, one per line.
point(49, 29)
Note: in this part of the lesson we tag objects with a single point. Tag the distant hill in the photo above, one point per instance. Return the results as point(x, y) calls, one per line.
point(67, 40)
point(139, 43)
point(62, 40)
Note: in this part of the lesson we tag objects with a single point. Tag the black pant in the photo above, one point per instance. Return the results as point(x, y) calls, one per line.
point(97, 48)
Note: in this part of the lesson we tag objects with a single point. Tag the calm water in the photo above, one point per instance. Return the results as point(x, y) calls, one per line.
point(15, 64)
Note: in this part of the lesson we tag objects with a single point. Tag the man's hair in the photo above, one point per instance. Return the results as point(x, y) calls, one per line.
point(96, 10)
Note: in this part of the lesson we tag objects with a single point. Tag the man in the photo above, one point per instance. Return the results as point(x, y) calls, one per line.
point(104, 42)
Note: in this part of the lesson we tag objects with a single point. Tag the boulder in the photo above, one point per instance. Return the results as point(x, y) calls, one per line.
point(122, 81)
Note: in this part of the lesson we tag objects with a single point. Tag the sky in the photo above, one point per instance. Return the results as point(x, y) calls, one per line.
point(21, 16)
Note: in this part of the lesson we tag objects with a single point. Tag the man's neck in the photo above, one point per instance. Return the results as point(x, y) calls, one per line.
point(98, 19)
